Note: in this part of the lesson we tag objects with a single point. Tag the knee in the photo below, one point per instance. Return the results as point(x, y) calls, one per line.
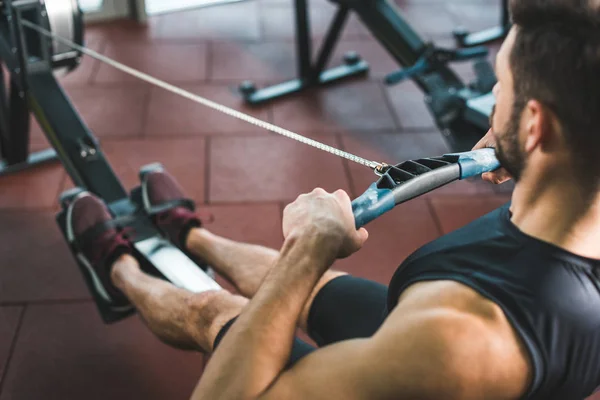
point(211, 303)
point(209, 311)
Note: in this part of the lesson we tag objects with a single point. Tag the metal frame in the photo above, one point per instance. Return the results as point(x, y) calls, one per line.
point(445, 94)
point(310, 74)
point(78, 150)
point(466, 39)
point(14, 108)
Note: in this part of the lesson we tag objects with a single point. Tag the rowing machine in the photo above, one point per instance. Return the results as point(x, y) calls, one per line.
point(33, 60)
point(85, 163)
point(62, 17)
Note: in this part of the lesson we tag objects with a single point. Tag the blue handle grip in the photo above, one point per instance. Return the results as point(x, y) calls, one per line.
point(476, 162)
point(375, 202)
point(372, 204)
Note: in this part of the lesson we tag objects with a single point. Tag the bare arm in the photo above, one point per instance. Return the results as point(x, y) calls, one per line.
point(318, 228)
point(430, 347)
point(257, 347)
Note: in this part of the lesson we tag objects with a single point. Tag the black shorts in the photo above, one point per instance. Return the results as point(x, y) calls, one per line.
point(345, 308)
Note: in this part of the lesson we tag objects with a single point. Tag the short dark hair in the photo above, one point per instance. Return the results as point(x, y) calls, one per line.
point(556, 60)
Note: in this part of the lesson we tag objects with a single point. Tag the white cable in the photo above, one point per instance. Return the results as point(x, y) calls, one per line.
point(208, 103)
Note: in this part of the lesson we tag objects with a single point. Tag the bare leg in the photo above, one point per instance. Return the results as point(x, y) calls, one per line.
point(180, 318)
point(244, 265)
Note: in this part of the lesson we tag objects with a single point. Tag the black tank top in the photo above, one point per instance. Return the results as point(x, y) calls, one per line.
point(551, 297)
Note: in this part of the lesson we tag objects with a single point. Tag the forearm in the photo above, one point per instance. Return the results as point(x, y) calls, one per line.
point(257, 347)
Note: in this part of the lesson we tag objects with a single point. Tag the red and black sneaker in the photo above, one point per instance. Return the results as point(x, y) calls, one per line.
point(98, 244)
point(164, 201)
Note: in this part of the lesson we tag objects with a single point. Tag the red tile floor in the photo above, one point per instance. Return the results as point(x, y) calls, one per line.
point(52, 343)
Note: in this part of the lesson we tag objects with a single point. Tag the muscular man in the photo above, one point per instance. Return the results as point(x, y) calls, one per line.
point(507, 307)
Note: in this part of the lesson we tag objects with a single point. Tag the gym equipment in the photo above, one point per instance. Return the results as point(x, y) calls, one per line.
point(446, 96)
point(414, 178)
point(31, 60)
point(310, 74)
point(29, 53)
point(466, 39)
point(65, 19)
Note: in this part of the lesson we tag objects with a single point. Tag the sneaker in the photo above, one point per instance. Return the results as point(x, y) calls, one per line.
point(171, 211)
point(98, 244)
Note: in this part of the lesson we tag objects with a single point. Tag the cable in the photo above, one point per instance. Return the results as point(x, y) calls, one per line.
point(376, 166)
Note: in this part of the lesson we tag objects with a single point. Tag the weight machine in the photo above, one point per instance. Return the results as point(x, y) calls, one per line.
point(461, 111)
point(464, 38)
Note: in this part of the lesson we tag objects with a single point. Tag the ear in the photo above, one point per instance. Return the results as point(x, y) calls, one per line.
point(537, 123)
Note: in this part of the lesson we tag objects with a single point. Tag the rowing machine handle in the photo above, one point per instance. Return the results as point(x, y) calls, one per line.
point(376, 201)
point(476, 162)
point(373, 203)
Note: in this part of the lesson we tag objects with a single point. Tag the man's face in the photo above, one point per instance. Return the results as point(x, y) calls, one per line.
point(505, 119)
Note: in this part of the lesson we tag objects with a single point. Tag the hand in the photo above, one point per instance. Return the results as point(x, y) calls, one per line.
point(327, 220)
point(500, 175)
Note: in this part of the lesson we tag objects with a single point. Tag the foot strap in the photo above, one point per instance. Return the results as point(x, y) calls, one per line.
point(169, 205)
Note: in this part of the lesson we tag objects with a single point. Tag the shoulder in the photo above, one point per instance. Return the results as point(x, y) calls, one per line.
point(467, 345)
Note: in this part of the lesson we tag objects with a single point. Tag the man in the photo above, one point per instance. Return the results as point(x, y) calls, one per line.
point(507, 307)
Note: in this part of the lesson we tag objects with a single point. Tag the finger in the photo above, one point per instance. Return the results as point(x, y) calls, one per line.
point(497, 177)
point(341, 194)
point(363, 235)
point(501, 179)
point(319, 190)
point(488, 177)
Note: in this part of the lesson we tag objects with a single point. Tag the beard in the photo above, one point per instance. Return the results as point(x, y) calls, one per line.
point(508, 150)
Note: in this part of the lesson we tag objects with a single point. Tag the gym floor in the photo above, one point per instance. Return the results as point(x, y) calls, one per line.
point(53, 344)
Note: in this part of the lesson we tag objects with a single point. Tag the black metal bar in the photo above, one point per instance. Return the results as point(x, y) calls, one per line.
point(297, 85)
point(386, 23)
point(331, 39)
point(18, 143)
point(309, 74)
point(303, 40)
point(33, 159)
point(4, 115)
point(505, 19)
point(466, 39)
point(75, 145)
point(479, 109)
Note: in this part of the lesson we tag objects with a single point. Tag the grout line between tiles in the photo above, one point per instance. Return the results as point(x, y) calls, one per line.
point(62, 184)
point(208, 62)
point(96, 67)
point(207, 148)
point(390, 106)
point(45, 302)
point(145, 113)
point(11, 350)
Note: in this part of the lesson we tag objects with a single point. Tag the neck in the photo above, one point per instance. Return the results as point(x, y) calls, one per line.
point(556, 212)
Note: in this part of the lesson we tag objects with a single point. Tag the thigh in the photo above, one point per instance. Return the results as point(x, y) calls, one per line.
point(346, 308)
